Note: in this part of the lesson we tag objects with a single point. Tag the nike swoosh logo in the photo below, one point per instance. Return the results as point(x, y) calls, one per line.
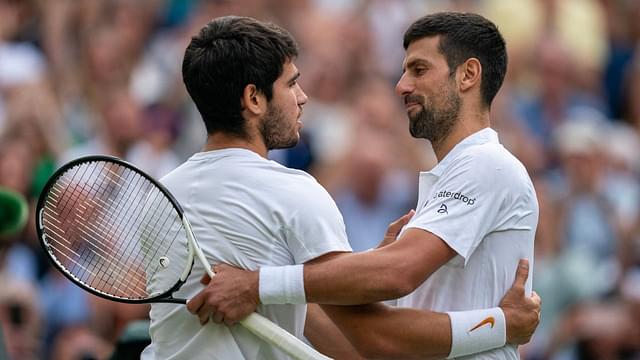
point(490, 320)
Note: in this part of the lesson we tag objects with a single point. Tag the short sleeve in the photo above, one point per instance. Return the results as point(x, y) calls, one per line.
point(463, 206)
point(316, 226)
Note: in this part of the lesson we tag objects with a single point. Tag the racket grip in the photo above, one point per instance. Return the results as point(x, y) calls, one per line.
point(272, 333)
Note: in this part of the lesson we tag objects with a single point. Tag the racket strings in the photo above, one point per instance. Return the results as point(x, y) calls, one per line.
point(81, 249)
point(109, 227)
point(109, 219)
point(93, 248)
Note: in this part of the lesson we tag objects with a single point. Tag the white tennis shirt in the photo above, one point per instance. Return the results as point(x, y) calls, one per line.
point(269, 215)
point(479, 200)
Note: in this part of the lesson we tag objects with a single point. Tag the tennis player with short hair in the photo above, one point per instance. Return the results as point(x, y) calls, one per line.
point(476, 214)
point(241, 75)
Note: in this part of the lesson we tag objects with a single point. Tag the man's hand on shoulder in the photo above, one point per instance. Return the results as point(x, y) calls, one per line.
point(229, 297)
point(522, 312)
point(393, 230)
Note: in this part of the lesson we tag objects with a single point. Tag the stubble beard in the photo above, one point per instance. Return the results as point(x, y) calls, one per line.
point(276, 131)
point(435, 124)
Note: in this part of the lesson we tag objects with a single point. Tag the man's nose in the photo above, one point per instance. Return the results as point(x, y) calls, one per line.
point(404, 86)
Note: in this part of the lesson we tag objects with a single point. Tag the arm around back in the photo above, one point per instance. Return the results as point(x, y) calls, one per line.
point(381, 274)
point(382, 332)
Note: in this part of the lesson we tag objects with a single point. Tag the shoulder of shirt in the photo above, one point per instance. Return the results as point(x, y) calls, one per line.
point(255, 163)
point(171, 174)
point(495, 164)
point(490, 155)
point(287, 174)
point(268, 174)
point(499, 171)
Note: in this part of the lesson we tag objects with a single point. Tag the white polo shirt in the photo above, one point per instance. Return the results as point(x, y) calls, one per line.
point(269, 215)
point(479, 200)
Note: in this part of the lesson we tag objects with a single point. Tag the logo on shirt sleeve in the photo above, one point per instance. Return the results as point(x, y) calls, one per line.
point(443, 209)
point(456, 196)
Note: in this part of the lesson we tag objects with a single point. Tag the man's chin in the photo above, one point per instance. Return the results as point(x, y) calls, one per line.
point(412, 128)
point(286, 145)
point(418, 133)
point(291, 144)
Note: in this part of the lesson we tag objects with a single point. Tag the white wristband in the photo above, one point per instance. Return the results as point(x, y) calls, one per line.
point(282, 285)
point(476, 331)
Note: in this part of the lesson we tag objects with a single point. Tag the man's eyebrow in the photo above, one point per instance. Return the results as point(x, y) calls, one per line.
point(294, 77)
point(415, 62)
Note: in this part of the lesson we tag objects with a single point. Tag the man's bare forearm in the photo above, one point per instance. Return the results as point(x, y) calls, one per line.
point(377, 275)
point(353, 279)
point(326, 337)
point(382, 332)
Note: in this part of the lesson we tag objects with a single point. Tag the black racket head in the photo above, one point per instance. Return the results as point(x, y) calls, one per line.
point(114, 230)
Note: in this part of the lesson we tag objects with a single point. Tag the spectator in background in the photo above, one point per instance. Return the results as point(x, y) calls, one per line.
point(623, 37)
point(622, 163)
point(327, 71)
point(20, 318)
point(372, 193)
point(119, 127)
point(20, 61)
point(19, 313)
point(374, 182)
point(63, 305)
point(557, 96)
point(16, 164)
point(588, 215)
point(33, 115)
point(582, 243)
point(79, 343)
point(153, 153)
point(556, 52)
point(595, 331)
point(633, 94)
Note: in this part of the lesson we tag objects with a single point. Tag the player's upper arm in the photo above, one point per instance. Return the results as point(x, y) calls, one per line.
point(314, 226)
point(414, 257)
point(467, 202)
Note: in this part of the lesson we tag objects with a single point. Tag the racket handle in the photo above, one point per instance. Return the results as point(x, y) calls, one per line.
point(259, 325)
point(270, 332)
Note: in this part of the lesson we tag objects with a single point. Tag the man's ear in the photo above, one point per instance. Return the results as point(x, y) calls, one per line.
point(253, 100)
point(470, 74)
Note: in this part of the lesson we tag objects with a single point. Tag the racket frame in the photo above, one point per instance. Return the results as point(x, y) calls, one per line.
point(255, 323)
point(165, 297)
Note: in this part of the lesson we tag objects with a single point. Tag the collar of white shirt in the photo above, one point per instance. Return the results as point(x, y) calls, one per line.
point(484, 136)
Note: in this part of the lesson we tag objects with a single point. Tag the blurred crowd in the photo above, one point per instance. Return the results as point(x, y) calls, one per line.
point(103, 76)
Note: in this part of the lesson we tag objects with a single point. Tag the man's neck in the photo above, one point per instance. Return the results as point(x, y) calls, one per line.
point(219, 141)
point(466, 126)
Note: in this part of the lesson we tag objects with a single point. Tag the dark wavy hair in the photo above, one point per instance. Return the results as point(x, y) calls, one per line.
point(463, 36)
point(228, 54)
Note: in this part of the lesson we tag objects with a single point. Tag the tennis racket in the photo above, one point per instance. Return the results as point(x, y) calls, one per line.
point(119, 234)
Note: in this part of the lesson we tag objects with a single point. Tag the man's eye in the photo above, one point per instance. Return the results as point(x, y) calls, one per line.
point(420, 71)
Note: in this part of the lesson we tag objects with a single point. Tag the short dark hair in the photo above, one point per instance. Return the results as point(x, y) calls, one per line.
point(228, 54)
point(463, 36)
